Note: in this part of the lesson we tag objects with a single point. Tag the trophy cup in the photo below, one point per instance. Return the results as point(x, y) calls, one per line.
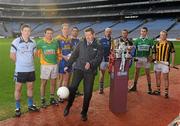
point(121, 51)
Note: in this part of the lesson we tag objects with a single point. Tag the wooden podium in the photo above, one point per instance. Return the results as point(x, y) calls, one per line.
point(119, 88)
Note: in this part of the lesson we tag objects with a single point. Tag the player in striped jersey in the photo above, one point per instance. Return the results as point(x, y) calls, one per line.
point(161, 54)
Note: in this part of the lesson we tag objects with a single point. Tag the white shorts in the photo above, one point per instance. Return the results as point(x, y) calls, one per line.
point(49, 72)
point(103, 65)
point(142, 62)
point(161, 67)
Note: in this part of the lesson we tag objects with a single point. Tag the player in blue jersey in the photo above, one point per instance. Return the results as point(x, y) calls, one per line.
point(74, 36)
point(66, 48)
point(22, 53)
point(106, 43)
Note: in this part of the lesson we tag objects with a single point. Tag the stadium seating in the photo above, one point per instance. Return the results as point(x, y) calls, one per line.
point(2, 32)
point(129, 24)
point(154, 26)
point(97, 14)
point(175, 31)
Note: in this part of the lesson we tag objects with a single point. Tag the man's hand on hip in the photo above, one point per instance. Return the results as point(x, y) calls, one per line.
point(87, 66)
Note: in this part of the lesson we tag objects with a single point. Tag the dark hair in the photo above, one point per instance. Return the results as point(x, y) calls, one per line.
point(76, 28)
point(25, 26)
point(125, 30)
point(145, 28)
point(48, 29)
point(89, 30)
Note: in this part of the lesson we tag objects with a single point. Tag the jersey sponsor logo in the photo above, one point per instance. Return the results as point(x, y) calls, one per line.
point(49, 52)
point(67, 47)
point(143, 47)
point(25, 49)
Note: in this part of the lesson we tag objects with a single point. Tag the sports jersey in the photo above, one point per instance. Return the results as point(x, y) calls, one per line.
point(106, 43)
point(74, 42)
point(143, 46)
point(127, 42)
point(24, 54)
point(162, 50)
point(66, 48)
point(65, 45)
point(48, 51)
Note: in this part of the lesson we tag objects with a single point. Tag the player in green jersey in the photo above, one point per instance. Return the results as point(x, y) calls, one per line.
point(143, 46)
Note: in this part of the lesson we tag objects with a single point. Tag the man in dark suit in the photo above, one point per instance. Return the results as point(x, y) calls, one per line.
point(88, 56)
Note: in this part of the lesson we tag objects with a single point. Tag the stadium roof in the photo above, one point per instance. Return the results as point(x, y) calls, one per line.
point(46, 2)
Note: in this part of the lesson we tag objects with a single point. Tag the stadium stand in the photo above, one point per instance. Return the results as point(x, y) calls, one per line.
point(2, 32)
point(175, 31)
point(155, 26)
point(98, 14)
point(125, 25)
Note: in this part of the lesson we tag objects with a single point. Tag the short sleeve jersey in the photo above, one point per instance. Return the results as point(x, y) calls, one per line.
point(143, 46)
point(48, 51)
point(24, 52)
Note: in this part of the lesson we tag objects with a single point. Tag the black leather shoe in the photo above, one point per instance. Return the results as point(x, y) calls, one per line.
point(84, 117)
point(66, 111)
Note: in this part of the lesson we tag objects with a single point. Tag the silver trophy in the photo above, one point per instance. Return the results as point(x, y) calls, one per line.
point(121, 51)
point(117, 50)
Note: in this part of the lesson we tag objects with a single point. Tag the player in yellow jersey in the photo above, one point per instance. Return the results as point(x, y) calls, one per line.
point(49, 53)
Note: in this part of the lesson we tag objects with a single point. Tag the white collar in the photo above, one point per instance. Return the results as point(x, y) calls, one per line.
point(143, 37)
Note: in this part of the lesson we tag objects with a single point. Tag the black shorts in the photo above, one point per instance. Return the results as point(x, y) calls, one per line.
point(23, 77)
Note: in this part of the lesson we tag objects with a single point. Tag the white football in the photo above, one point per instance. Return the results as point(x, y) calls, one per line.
point(63, 92)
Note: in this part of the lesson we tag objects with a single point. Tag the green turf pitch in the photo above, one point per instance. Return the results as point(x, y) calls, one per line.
point(7, 102)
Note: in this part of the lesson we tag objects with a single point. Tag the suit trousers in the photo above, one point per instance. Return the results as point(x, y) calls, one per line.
point(88, 78)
